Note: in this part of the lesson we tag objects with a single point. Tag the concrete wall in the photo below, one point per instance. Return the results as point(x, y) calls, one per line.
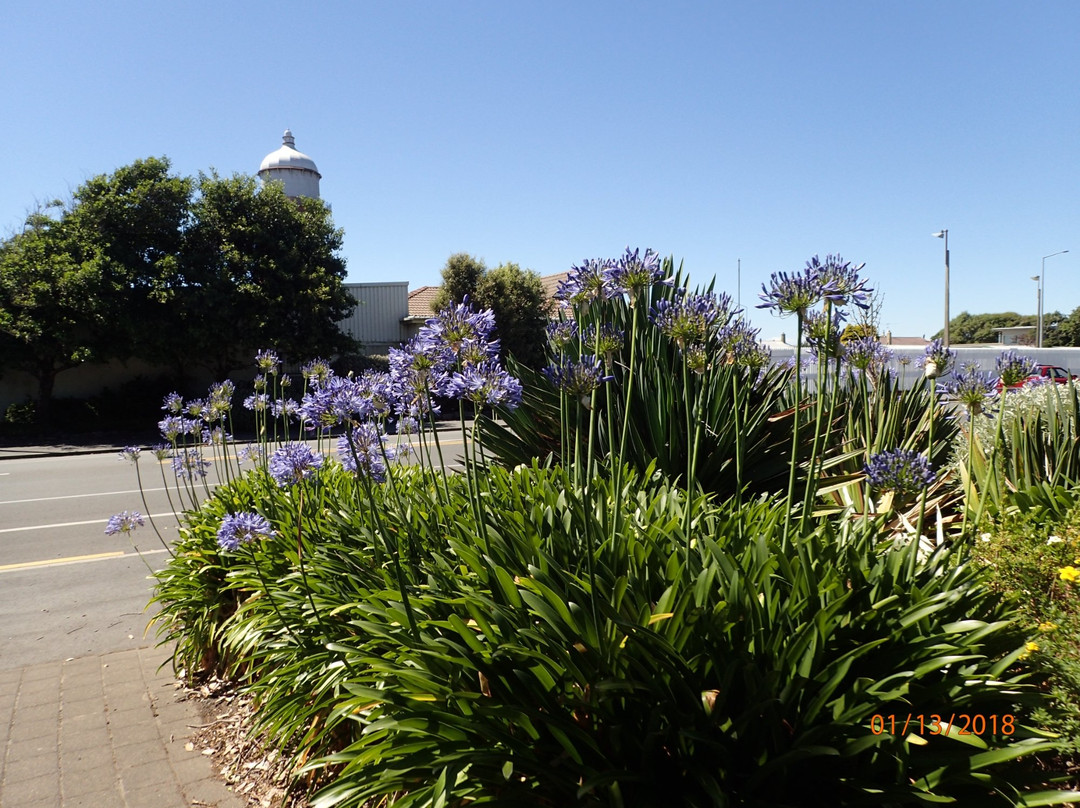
point(984, 355)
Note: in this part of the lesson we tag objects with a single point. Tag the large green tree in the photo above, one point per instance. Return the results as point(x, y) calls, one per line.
point(514, 295)
point(259, 271)
point(143, 263)
point(977, 328)
point(50, 305)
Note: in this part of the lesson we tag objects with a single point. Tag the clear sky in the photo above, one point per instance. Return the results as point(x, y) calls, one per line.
point(548, 132)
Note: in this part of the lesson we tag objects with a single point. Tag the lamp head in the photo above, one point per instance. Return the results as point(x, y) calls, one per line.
point(939, 234)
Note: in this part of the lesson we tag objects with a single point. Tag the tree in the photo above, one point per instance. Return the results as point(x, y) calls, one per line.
point(137, 267)
point(259, 271)
point(1064, 331)
point(49, 315)
point(516, 297)
point(978, 328)
point(460, 277)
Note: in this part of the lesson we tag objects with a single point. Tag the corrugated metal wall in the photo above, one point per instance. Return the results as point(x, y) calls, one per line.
point(376, 318)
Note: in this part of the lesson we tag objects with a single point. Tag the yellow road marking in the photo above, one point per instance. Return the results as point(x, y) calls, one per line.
point(66, 560)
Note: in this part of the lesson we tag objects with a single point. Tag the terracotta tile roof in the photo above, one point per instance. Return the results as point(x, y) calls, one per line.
point(420, 301)
point(551, 282)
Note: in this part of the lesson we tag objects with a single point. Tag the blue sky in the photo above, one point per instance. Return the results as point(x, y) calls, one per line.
point(545, 133)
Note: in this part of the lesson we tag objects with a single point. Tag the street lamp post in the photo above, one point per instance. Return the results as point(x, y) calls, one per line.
point(1042, 294)
point(1038, 303)
point(945, 235)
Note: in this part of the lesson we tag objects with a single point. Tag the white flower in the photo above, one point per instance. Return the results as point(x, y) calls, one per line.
point(1055, 540)
point(986, 537)
point(930, 369)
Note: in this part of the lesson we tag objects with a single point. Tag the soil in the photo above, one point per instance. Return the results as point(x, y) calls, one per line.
point(256, 771)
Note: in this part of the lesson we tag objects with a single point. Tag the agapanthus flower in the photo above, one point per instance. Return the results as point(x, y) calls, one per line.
point(267, 361)
point(822, 334)
point(173, 426)
point(162, 451)
point(586, 283)
point(242, 528)
point(634, 273)
point(215, 437)
point(257, 402)
point(578, 379)
point(219, 401)
point(972, 389)
point(418, 371)
point(362, 449)
point(130, 453)
point(691, 318)
point(188, 464)
point(903, 360)
point(795, 293)
point(377, 388)
point(173, 403)
point(124, 522)
point(842, 279)
point(1014, 369)
point(317, 371)
point(487, 384)
point(336, 401)
point(737, 340)
point(456, 324)
point(561, 334)
point(195, 408)
point(284, 408)
point(937, 359)
point(605, 342)
point(253, 452)
point(866, 354)
point(902, 471)
point(293, 462)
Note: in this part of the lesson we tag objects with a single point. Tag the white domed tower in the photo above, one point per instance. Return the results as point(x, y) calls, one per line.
point(294, 169)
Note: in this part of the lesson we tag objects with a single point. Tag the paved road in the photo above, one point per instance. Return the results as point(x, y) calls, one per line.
point(66, 589)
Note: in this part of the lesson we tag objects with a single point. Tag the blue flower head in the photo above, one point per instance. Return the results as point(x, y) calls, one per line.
point(974, 390)
point(242, 528)
point(634, 273)
point(798, 292)
point(937, 359)
point(902, 471)
point(578, 379)
point(293, 462)
point(842, 280)
point(487, 384)
point(1013, 369)
point(586, 283)
point(124, 522)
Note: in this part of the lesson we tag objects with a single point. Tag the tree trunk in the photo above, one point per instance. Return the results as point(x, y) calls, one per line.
point(46, 378)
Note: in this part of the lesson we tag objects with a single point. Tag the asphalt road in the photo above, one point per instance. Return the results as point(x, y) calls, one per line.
point(66, 589)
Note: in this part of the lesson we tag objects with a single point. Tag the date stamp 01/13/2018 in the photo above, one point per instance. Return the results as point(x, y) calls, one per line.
point(934, 724)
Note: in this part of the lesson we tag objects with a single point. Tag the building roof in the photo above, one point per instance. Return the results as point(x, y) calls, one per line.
point(288, 157)
point(551, 283)
point(420, 301)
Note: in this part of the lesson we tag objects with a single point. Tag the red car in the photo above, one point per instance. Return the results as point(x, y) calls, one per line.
point(1050, 372)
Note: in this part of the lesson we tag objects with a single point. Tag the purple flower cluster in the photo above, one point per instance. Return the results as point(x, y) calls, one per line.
point(124, 522)
point(603, 278)
point(691, 319)
point(363, 451)
point(822, 334)
point(842, 278)
point(562, 334)
point(578, 379)
point(633, 273)
point(242, 528)
point(1013, 369)
point(485, 383)
point(268, 362)
point(902, 471)
point(937, 360)
point(972, 389)
point(293, 462)
point(866, 354)
point(189, 463)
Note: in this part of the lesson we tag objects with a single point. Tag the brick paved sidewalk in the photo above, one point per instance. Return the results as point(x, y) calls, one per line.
point(102, 731)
